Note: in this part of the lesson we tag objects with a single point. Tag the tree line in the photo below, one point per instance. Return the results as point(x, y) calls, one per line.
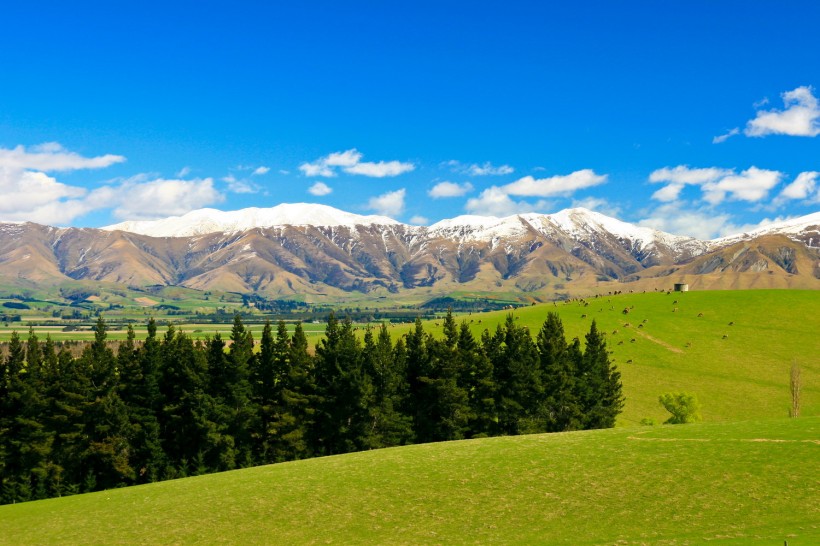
point(173, 407)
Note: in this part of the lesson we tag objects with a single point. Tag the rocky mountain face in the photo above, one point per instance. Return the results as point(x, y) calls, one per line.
point(323, 251)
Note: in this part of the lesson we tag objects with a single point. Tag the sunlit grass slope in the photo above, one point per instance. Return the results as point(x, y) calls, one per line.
point(724, 483)
point(733, 349)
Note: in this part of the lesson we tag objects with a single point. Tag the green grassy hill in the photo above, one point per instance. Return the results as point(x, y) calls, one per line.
point(733, 349)
point(723, 483)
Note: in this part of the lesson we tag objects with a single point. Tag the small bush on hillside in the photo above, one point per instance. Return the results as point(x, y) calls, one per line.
point(683, 406)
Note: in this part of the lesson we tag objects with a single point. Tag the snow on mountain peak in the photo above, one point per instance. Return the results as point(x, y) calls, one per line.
point(202, 221)
point(787, 227)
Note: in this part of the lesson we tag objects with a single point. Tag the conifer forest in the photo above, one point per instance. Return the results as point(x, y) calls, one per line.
point(169, 406)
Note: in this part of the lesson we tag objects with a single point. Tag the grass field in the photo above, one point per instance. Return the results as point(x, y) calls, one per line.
point(744, 375)
point(754, 482)
point(733, 349)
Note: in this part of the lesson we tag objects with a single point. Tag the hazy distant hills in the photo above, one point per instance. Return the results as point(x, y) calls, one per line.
point(316, 250)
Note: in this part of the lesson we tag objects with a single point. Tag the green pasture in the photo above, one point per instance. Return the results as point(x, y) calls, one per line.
point(733, 349)
point(738, 370)
point(752, 482)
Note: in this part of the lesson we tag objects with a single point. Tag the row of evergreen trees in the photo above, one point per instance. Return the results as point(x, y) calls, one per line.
point(171, 406)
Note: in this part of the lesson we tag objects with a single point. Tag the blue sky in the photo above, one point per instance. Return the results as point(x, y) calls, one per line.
point(699, 118)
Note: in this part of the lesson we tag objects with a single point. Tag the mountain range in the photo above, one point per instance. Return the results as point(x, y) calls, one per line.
point(317, 251)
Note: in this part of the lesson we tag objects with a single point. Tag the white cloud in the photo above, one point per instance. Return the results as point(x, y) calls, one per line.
point(598, 204)
point(700, 223)
point(29, 194)
point(319, 189)
point(726, 136)
point(388, 204)
point(801, 188)
point(380, 169)
point(485, 169)
point(36, 197)
point(494, 201)
point(717, 184)
point(260, 171)
point(682, 174)
point(350, 161)
point(51, 156)
point(668, 193)
point(284, 171)
point(801, 116)
point(240, 185)
point(183, 172)
point(419, 220)
point(450, 189)
point(751, 185)
point(157, 198)
point(555, 185)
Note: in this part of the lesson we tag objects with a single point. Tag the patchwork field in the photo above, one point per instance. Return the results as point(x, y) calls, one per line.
point(752, 482)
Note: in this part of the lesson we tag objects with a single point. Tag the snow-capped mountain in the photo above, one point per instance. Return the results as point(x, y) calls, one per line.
point(795, 228)
point(203, 221)
point(318, 250)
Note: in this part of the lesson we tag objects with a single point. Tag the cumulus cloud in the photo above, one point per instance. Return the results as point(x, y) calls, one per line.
point(803, 187)
point(450, 189)
point(419, 220)
point(751, 185)
point(555, 185)
point(137, 200)
point(350, 162)
point(495, 201)
point(260, 171)
point(699, 223)
point(388, 204)
point(50, 157)
point(485, 169)
point(800, 116)
point(716, 184)
point(29, 194)
point(320, 189)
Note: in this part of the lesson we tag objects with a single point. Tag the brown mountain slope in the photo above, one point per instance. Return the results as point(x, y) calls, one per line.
point(383, 260)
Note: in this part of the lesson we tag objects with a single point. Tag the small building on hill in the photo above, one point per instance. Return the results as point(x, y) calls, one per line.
point(681, 287)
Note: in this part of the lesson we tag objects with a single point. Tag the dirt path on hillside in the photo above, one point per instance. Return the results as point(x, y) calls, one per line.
point(662, 343)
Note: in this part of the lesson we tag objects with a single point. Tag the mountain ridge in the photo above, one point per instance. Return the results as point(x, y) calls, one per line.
point(533, 255)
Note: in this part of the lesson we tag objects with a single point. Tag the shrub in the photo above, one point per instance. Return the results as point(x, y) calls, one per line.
point(683, 406)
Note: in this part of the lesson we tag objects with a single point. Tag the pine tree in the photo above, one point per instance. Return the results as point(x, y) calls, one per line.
point(517, 378)
point(192, 420)
point(387, 426)
point(139, 390)
point(244, 414)
point(344, 391)
point(477, 378)
point(602, 398)
point(560, 408)
point(26, 442)
point(107, 429)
